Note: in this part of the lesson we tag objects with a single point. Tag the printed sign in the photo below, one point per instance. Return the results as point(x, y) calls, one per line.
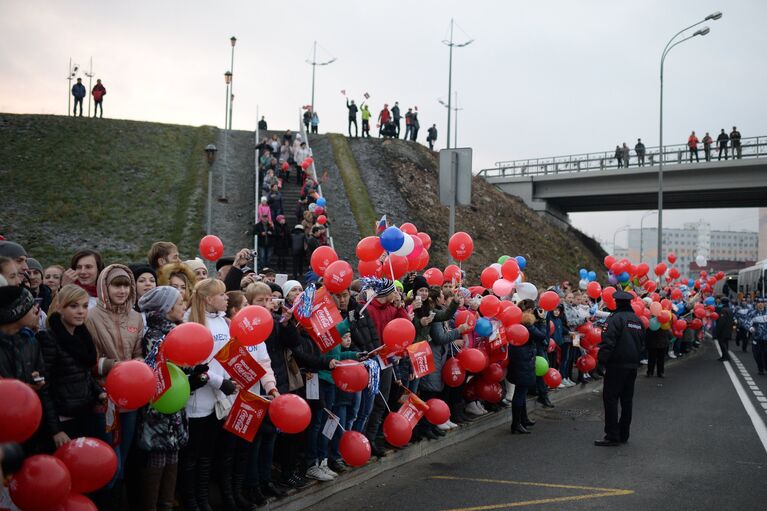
point(162, 376)
point(421, 358)
point(246, 415)
point(240, 365)
point(320, 325)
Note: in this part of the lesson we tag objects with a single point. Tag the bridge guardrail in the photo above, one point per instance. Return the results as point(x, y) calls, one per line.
point(752, 147)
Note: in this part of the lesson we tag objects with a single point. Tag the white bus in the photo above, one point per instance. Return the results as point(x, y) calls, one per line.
point(751, 280)
point(728, 286)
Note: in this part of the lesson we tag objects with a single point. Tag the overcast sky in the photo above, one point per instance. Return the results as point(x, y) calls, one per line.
point(540, 79)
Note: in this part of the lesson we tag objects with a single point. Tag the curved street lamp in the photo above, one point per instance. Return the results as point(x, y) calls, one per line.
point(450, 44)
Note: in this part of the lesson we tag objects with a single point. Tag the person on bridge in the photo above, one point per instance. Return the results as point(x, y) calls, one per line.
point(619, 155)
point(692, 144)
point(352, 118)
point(721, 141)
point(626, 155)
point(622, 343)
point(78, 91)
point(707, 141)
point(736, 148)
point(724, 325)
point(396, 115)
point(757, 325)
point(639, 148)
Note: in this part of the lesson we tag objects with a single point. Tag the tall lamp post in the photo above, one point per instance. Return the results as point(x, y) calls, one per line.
point(233, 40)
point(641, 233)
point(456, 109)
point(89, 74)
point(615, 234)
point(210, 156)
point(669, 46)
point(227, 108)
point(314, 65)
point(450, 44)
point(71, 74)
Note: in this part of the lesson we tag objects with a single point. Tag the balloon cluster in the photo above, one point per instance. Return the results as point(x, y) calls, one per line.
point(395, 252)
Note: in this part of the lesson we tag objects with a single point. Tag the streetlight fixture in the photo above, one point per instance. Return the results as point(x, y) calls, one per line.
point(615, 234)
point(210, 157)
point(71, 74)
point(669, 46)
point(90, 75)
point(456, 109)
point(450, 44)
point(233, 40)
point(227, 120)
point(641, 233)
point(314, 65)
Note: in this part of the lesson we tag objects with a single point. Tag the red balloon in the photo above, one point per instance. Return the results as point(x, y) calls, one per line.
point(338, 276)
point(489, 391)
point(319, 210)
point(434, 277)
point(472, 360)
point(426, 239)
point(350, 376)
point(452, 373)
point(660, 269)
point(493, 373)
point(650, 286)
point(460, 246)
point(552, 378)
point(354, 448)
point(607, 297)
point(42, 483)
point(290, 413)
point(369, 249)
point(408, 228)
point(593, 337)
point(671, 257)
point(549, 300)
point(673, 273)
point(252, 325)
point(510, 269)
point(719, 275)
point(465, 316)
point(511, 315)
point(490, 306)
point(517, 334)
point(396, 430)
point(398, 265)
point(438, 412)
point(453, 273)
point(586, 363)
point(398, 333)
point(642, 269)
point(75, 502)
point(20, 415)
point(423, 260)
point(552, 346)
point(188, 344)
point(609, 261)
point(370, 268)
point(131, 384)
point(594, 290)
point(309, 160)
point(211, 247)
point(92, 463)
point(321, 259)
point(489, 276)
point(414, 257)
point(322, 219)
point(714, 316)
point(285, 165)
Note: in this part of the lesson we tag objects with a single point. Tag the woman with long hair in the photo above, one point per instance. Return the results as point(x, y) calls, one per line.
point(180, 276)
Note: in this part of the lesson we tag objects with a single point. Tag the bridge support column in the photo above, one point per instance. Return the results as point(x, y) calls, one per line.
point(525, 192)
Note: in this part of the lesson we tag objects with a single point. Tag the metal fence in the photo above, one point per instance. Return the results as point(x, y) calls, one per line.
point(753, 147)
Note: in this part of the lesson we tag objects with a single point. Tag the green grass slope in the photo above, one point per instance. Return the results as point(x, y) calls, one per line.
point(112, 185)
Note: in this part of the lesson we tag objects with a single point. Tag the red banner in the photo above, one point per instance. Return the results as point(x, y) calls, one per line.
point(240, 365)
point(500, 339)
point(246, 415)
point(321, 325)
point(421, 358)
point(162, 375)
point(413, 407)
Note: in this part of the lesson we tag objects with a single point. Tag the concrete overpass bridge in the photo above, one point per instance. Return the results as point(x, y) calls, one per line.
point(592, 182)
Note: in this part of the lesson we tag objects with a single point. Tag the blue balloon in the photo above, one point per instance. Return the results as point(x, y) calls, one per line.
point(392, 239)
point(321, 202)
point(521, 261)
point(624, 277)
point(583, 273)
point(592, 276)
point(690, 283)
point(710, 300)
point(483, 327)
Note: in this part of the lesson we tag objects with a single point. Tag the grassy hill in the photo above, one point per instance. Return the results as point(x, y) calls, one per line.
point(112, 185)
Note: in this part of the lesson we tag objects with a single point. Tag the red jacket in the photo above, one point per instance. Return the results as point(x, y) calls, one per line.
point(99, 91)
point(382, 313)
point(692, 142)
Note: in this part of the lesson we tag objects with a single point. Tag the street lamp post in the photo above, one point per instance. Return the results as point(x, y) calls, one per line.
point(233, 40)
point(314, 65)
point(89, 74)
point(228, 81)
point(71, 74)
point(456, 109)
point(669, 46)
point(210, 156)
point(641, 233)
point(450, 44)
point(615, 234)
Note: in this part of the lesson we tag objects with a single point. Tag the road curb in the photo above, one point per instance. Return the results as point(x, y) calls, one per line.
point(320, 491)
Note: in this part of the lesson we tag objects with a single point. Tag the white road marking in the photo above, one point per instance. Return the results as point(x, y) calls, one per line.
point(756, 420)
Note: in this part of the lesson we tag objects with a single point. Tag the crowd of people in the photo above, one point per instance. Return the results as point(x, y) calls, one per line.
point(723, 143)
point(388, 122)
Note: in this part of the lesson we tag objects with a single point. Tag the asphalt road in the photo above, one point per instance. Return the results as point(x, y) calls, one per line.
point(692, 446)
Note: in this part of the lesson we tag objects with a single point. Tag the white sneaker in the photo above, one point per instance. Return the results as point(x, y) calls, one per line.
point(569, 382)
point(562, 385)
point(482, 408)
point(451, 424)
point(643, 361)
point(315, 472)
point(443, 427)
point(671, 354)
point(325, 468)
point(474, 409)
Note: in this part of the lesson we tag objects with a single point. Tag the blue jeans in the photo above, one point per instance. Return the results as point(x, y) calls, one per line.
point(316, 442)
point(343, 409)
point(264, 255)
point(127, 430)
point(564, 366)
point(363, 410)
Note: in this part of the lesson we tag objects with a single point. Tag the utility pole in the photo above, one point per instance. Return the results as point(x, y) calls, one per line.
point(450, 45)
point(233, 40)
point(89, 74)
point(314, 65)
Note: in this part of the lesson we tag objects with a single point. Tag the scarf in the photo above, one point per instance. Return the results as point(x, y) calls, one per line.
point(89, 288)
point(79, 346)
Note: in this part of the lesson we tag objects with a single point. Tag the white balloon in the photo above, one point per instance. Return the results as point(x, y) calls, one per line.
point(497, 267)
point(527, 291)
point(312, 207)
point(701, 260)
point(407, 246)
point(583, 284)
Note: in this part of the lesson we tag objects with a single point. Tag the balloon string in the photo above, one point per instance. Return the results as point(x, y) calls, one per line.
point(335, 417)
point(362, 310)
point(391, 268)
point(384, 400)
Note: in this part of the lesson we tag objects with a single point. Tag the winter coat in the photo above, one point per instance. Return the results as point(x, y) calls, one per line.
point(69, 360)
point(382, 313)
point(723, 139)
point(159, 432)
point(202, 401)
point(265, 233)
point(692, 142)
point(640, 149)
point(283, 337)
point(440, 337)
point(735, 137)
point(363, 330)
point(298, 242)
point(274, 200)
point(560, 331)
point(446, 314)
point(99, 91)
point(657, 339)
point(623, 341)
point(281, 239)
point(395, 113)
point(116, 329)
point(337, 353)
point(724, 324)
point(521, 369)
point(432, 134)
point(78, 90)
point(352, 110)
point(758, 321)
point(315, 120)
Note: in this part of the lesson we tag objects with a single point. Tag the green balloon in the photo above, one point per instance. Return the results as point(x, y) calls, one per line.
point(177, 395)
point(503, 259)
point(541, 366)
point(654, 324)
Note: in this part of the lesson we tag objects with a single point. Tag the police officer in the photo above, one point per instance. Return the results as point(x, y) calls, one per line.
point(757, 325)
point(622, 343)
point(724, 326)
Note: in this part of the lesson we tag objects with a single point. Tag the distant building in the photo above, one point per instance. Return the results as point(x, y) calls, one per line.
point(732, 248)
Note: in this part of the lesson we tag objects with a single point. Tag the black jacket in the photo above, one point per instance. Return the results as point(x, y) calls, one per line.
point(352, 110)
point(282, 337)
point(395, 113)
point(724, 324)
point(657, 339)
point(623, 341)
point(364, 333)
point(68, 362)
point(522, 358)
point(298, 242)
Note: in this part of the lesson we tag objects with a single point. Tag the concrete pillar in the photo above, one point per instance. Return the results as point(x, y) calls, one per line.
point(762, 234)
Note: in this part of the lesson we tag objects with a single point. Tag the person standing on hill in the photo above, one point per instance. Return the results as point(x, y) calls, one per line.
point(383, 118)
point(262, 124)
point(640, 150)
point(408, 123)
point(315, 122)
point(432, 136)
point(365, 121)
point(307, 119)
point(78, 91)
point(352, 118)
point(414, 125)
point(721, 141)
point(396, 116)
point(692, 144)
point(98, 92)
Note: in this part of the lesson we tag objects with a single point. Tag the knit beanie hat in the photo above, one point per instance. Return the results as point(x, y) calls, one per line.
point(274, 287)
point(419, 282)
point(386, 288)
point(288, 286)
point(140, 269)
point(11, 250)
point(34, 264)
point(15, 302)
point(160, 299)
point(343, 327)
point(194, 264)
